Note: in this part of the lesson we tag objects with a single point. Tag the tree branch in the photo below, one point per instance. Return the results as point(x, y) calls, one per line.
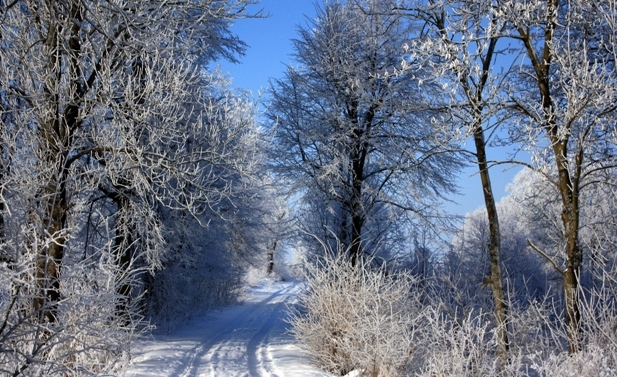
point(543, 254)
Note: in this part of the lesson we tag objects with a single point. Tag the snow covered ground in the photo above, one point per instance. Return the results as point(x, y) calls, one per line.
point(249, 339)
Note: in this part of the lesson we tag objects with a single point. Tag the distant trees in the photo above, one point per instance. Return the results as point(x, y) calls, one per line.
point(109, 124)
point(354, 136)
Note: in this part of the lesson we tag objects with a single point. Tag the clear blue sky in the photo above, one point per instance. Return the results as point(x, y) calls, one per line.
point(269, 42)
point(269, 51)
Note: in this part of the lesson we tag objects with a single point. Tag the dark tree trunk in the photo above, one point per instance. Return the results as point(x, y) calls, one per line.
point(50, 257)
point(494, 246)
point(567, 181)
point(270, 267)
point(56, 136)
point(475, 96)
point(569, 192)
point(359, 154)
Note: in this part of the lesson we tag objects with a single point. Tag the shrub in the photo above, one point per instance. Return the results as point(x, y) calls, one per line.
point(356, 318)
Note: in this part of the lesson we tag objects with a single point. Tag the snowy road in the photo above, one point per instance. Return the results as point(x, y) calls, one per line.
point(242, 340)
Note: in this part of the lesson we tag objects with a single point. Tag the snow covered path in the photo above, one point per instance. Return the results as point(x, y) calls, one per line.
point(242, 340)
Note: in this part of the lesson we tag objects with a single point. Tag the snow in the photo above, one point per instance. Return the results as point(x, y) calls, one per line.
point(249, 339)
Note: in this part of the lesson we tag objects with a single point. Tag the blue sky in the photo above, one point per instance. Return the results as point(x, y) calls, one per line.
point(269, 41)
point(269, 51)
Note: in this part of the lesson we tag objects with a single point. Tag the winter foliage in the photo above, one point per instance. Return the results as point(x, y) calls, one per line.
point(356, 317)
point(137, 189)
point(118, 147)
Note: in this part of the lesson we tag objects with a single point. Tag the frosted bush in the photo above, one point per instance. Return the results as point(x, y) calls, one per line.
point(594, 360)
point(454, 347)
point(89, 337)
point(356, 318)
point(597, 335)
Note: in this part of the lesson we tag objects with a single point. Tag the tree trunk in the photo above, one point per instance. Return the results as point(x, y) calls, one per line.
point(494, 246)
point(476, 102)
point(56, 136)
point(49, 258)
point(357, 171)
point(568, 183)
point(569, 192)
point(358, 156)
point(270, 267)
point(357, 222)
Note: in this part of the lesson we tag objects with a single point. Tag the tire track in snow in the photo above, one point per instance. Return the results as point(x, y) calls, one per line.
point(245, 340)
point(217, 354)
point(259, 358)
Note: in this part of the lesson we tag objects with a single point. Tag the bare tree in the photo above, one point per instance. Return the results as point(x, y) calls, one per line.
point(354, 135)
point(564, 98)
point(461, 46)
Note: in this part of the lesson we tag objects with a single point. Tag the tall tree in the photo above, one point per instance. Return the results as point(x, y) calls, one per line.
point(564, 96)
point(460, 45)
point(107, 116)
point(354, 135)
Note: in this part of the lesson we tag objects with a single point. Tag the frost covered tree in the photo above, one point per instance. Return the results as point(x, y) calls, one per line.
point(355, 138)
point(107, 118)
point(460, 44)
point(210, 243)
point(563, 96)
